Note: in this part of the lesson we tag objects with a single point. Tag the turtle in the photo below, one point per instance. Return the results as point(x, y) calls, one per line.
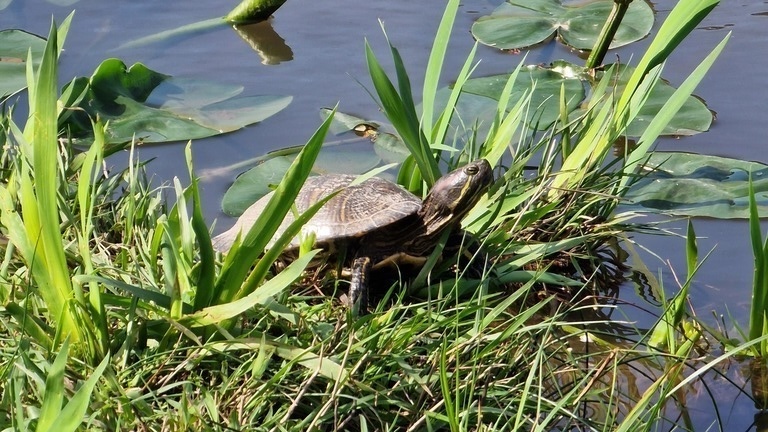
point(373, 223)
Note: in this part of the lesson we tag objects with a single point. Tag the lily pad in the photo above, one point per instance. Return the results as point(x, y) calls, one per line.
point(14, 46)
point(544, 84)
point(153, 107)
point(259, 180)
point(692, 118)
point(522, 23)
point(688, 184)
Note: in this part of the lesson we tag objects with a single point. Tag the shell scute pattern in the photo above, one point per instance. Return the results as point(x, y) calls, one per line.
point(355, 210)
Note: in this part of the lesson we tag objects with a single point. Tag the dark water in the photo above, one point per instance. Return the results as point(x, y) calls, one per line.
point(326, 41)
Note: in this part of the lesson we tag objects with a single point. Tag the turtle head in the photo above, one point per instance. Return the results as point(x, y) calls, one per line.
point(453, 195)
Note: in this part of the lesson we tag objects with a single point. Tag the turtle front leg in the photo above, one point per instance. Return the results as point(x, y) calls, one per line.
point(358, 285)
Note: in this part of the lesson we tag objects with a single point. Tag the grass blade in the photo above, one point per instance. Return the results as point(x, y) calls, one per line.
point(71, 416)
point(435, 64)
point(217, 314)
point(205, 287)
point(54, 390)
point(240, 259)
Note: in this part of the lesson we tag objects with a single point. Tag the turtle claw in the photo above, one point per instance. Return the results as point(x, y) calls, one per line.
point(358, 286)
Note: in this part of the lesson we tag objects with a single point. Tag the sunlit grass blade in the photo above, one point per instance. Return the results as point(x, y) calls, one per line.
point(400, 112)
point(86, 191)
point(72, 415)
point(206, 284)
point(238, 262)
point(435, 64)
point(39, 201)
point(271, 255)
point(684, 17)
point(666, 113)
point(324, 366)
point(216, 314)
point(439, 134)
point(54, 390)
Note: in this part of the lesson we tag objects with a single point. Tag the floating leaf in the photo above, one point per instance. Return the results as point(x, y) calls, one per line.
point(256, 182)
point(153, 107)
point(522, 23)
point(545, 85)
point(692, 118)
point(14, 46)
point(699, 185)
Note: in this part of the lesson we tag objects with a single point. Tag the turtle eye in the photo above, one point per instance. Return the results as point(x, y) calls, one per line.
point(471, 169)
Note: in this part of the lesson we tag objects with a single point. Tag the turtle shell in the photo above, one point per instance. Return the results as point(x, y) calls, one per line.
point(354, 212)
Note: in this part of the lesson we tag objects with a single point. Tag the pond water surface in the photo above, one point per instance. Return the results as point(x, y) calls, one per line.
point(325, 41)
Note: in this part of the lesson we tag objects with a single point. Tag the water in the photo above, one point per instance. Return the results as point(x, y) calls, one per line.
point(326, 41)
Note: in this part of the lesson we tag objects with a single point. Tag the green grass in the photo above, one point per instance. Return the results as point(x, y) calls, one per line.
point(117, 314)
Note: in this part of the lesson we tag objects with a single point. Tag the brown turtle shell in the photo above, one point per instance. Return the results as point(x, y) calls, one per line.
point(354, 212)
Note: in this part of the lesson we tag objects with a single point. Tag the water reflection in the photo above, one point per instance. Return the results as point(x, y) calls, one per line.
point(263, 38)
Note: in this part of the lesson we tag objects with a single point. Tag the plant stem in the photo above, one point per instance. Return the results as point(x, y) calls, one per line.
point(609, 31)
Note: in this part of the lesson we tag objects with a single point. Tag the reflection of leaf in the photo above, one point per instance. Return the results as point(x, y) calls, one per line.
point(14, 45)
point(270, 46)
point(255, 183)
point(699, 185)
point(159, 108)
point(522, 23)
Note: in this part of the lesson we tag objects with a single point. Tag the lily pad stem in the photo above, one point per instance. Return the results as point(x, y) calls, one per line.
point(609, 31)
